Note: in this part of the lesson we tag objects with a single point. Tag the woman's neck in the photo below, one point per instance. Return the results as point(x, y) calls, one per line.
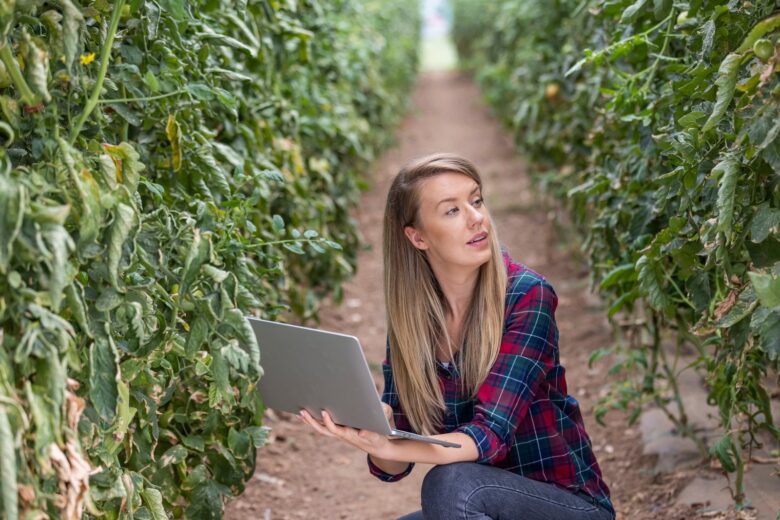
point(458, 288)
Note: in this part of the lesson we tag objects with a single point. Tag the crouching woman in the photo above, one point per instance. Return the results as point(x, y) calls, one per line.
point(472, 358)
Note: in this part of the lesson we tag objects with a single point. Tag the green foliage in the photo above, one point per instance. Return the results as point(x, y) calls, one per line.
point(657, 123)
point(165, 169)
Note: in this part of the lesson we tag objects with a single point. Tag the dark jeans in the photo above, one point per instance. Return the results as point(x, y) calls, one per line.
point(471, 491)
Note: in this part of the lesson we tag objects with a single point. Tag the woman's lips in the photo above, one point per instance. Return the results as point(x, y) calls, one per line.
point(478, 242)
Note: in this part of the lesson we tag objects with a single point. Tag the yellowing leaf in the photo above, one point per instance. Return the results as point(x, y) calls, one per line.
point(173, 131)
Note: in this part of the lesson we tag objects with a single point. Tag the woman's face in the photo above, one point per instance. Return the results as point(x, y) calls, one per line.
point(453, 224)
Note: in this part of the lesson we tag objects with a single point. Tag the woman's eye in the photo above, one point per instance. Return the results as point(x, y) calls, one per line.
point(450, 212)
point(478, 202)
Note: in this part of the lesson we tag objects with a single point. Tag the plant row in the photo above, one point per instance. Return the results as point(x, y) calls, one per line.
point(167, 168)
point(657, 122)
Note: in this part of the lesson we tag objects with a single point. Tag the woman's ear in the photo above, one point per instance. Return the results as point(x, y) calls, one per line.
point(415, 238)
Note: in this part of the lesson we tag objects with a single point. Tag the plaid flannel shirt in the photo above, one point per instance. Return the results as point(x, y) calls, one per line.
point(522, 419)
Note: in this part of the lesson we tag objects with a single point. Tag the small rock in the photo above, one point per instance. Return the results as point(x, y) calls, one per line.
point(269, 479)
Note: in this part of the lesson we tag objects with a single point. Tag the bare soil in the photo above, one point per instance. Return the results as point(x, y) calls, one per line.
point(303, 475)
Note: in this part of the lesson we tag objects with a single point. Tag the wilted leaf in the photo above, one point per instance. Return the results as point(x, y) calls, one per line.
point(8, 483)
point(124, 220)
point(728, 169)
point(726, 82)
point(173, 131)
point(103, 377)
point(13, 199)
point(154, 502)
point(72, 20)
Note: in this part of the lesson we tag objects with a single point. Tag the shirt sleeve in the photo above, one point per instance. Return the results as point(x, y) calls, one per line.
point(390, 396)
point(528, 351)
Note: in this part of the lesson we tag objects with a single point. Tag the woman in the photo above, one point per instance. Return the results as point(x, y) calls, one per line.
point(472, 358)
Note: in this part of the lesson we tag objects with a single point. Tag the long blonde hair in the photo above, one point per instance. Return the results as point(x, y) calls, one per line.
point(416, 306)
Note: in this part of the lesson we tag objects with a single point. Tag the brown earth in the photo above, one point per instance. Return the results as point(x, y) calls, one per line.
point(303, 475)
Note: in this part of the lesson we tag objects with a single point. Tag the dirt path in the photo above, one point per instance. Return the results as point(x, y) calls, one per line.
point(301, 475)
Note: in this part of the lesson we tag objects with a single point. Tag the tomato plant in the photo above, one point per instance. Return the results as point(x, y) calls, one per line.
point(657, 123)
point(166, 168)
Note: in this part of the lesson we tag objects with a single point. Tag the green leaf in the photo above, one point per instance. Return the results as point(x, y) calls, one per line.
point(728, 169)
point(765, 221)
point(194, 442)
point(650, 282)
point(236, 319)
point(173, 455)
point(618, 274)
point(726, 82)
point(108, 300)
point(258, 434)
point(206, 501)
point(236, 357)
point(103, 377)
point(124, 416)
point(37, 68)
point(75, 298)
point(198, 334)
point(124, 220)
point(197, 255)
point(723, 449)
point(177, 9)
point(767, 326)
point(8, 484)
point(200, 91)
point(151, 81)
point(661, 8)
point(61, 272)
point(222, 387)
point(632, 11)
point(239, 443)
point(691, 119)
point(154, 502)
point(334, 245)
point(13, 200)
point(767, 288)
point(759, 30)
point(278, 222)
point(294, 248)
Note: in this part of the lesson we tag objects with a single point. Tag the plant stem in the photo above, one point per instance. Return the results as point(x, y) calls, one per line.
point(11, 65)
point(105, 54)
point(654, 66)
point(149, 98)
point(287, 241)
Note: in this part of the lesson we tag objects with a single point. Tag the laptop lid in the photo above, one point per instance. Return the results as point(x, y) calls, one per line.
point(315, 370)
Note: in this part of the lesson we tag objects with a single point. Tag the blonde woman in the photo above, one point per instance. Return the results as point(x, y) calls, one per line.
point(472, 358)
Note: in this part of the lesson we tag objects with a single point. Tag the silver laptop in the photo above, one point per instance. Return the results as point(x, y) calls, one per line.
point(317, 370)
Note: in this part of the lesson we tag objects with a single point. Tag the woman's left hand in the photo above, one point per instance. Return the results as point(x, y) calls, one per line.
point(371, 442)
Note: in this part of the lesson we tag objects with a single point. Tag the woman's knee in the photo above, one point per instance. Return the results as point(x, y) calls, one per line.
point(444, 490)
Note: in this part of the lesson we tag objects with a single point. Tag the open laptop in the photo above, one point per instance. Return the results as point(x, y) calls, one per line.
point(318, 370)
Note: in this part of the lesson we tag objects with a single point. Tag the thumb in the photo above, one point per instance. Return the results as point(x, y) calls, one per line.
point(388, 412)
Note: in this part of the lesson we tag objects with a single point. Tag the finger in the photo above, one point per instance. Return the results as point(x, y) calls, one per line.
point(308, 419)
point(341, 431)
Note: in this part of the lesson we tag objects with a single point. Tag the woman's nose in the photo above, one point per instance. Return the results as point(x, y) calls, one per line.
point(475, 216)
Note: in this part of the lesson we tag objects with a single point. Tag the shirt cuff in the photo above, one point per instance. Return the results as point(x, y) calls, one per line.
point(384, 476)
point(486, 440)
